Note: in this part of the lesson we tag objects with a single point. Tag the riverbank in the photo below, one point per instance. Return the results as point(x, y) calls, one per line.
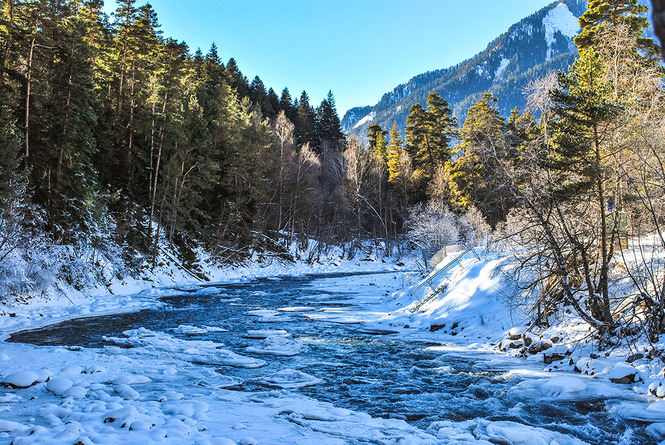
point(178, 385)
point(62, 301)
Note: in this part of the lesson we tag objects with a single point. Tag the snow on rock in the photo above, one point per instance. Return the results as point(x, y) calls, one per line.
point(515, 333)
point(171, 395)
point(122, 416)
point(656, 430)
point(277, 345)
point(95, 369)
point(73, 369)
point(658, 407)
point(563, 386)
point(127, 392)
point(76, 392)
point(365, 120)
point(657, 389)
point(7, 426)
point(622, 373)
point(290, 379)
point(58, 385)
point(21, 379)
point(44, 375)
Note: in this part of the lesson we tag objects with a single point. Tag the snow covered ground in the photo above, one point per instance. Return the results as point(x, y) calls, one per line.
point(165, 387)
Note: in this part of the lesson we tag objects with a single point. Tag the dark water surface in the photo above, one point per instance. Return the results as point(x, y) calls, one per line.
point(382, 375)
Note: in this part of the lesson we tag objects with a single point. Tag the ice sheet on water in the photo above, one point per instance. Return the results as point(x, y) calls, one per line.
point(195, 330)
point(277, 345)
point(269, 315)
point(290, 379)
point(357, 427)
point(265, 333)
point(484, 431)
point(296, 309)
point(160, 344)
point(333, 317)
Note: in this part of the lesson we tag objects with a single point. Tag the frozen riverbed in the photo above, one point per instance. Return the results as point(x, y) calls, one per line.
point(290, 360)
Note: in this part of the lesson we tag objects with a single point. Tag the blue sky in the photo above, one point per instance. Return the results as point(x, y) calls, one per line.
point(359, 49)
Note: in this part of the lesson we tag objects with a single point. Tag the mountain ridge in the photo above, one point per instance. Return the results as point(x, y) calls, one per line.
point(530, 48)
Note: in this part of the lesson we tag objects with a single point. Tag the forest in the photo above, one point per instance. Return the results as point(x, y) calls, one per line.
point(118, 142)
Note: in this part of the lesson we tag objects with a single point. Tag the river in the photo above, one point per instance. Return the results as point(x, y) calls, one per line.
point(380, 372)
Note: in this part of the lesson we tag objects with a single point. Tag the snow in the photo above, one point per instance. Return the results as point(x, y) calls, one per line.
point(290, 378)
point(365, 120)
point(502, 67)
point(277, 345)
point(559, 19)
point(559, 386)
point(21, 379)
point(172, 387)
point(59, 385)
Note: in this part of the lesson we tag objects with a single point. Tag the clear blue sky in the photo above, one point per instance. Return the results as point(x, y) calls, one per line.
point(359, 49)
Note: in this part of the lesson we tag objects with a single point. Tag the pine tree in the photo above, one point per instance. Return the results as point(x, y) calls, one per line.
point(273, 101)
point(603, 16)
point(428, 136)
point(377, 142)
point(305, 123)
point(584, 112)
point(394, 155)
point(235, 78)
point(327, 124)
point(259, 96)
point(477, 177)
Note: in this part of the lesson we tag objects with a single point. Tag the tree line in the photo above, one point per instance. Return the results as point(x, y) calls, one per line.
point(112, 132)
point(574, 185)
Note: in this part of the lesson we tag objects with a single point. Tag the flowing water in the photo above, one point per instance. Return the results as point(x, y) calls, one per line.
point(381, 373)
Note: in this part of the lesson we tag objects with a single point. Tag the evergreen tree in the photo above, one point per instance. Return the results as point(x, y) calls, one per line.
point(394, 154)
point(235, 78)
point(328, 127)
point(584, 112)
point(213, 66)
point(476, 177)
point(259, 96)
point(377, 142)
point(305, 123)
point(428, 136)
point(273, 101)
point(603, 16)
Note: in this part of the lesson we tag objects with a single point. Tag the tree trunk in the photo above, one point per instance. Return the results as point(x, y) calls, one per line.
point(27, 102)
point(606, 313)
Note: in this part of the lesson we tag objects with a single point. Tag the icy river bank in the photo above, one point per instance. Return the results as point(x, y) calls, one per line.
point(289, 360)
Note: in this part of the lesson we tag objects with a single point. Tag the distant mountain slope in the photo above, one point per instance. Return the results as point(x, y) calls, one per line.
point(531, 48)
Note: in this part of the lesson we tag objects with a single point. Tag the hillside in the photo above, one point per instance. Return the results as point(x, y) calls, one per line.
point(536, 45)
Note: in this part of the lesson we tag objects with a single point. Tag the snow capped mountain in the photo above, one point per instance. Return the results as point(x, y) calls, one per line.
point(531, 48)
point(560, 19)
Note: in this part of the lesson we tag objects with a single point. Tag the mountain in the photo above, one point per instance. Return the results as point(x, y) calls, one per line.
point(531, 48)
